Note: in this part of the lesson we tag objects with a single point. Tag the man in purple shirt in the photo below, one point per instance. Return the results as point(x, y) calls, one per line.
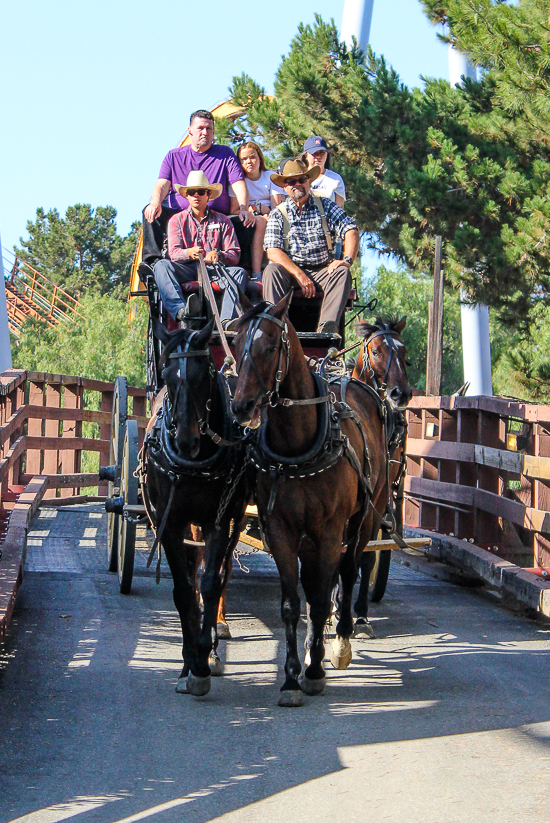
point(220, 166)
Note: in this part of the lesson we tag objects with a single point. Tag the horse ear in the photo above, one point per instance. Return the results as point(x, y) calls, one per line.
point(282, 307)
point(161, 332)
point(206, 333)
point(246, 304)
point(400, 325)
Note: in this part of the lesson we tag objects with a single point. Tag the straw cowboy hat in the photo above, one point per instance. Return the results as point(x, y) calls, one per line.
point(199, 180)
point(295, 168)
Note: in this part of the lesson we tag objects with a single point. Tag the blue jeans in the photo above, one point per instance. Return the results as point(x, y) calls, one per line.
point(169, 275)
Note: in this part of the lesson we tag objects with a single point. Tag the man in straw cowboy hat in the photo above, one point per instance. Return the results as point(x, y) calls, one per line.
point(199, 229)
point(217, 162)
point(300, 239)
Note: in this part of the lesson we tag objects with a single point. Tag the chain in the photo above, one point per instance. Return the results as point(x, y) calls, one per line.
point(231, 485)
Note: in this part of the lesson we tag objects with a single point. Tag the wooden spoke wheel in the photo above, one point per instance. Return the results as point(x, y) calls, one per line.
point(378, 579)
point(129, 491)
point(119, 415)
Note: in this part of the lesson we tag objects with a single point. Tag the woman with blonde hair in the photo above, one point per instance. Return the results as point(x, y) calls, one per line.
point(263, 196)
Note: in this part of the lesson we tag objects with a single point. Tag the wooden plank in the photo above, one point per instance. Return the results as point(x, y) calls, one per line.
point(13, 425)
point(60, 481)
point(500, 459)
point(51, 461)
point(441, 449)
point(537, 467)
point(55, 443)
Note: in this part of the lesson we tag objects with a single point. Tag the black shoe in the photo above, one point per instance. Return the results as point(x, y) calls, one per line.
point(145, 271)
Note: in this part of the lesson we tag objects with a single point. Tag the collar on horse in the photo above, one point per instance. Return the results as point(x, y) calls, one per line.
point(159, 440)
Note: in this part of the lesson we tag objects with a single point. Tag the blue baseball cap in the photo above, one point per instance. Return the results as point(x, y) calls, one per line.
point(315, 143)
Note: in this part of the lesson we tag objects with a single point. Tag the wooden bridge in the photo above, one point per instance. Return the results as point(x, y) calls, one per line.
point(478, 475)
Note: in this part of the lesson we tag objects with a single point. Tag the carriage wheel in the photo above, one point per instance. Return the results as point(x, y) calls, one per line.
point(129, 491)
point(378, 579)
point(119, 415)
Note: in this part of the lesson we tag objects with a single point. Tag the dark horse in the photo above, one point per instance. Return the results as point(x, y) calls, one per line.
point(312, 487)
point(192, 472)
point(382, 365)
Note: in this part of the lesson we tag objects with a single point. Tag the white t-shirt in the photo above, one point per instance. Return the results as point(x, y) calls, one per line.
point(260, 190)
point(329, 184)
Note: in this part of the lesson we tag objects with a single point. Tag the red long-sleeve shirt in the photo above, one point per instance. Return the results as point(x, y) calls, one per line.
point(214, 232)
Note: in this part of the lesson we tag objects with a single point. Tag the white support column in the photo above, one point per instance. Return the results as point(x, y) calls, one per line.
point(476, 342)
point(5, 349)
point(356, 21)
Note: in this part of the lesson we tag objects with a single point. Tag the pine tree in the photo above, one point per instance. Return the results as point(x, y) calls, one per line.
point(417, 163)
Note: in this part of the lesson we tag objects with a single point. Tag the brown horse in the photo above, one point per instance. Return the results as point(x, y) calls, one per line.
point(382, 365)
point(312, 486)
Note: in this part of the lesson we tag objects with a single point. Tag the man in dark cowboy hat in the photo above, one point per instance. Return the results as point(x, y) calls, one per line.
point(300, 239)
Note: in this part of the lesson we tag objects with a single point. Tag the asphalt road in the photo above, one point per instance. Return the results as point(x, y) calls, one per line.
point(444, 718)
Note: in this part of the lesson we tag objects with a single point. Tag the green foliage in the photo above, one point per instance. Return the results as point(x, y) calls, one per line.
point(512, 41)
point(107, 343)
point(417, 163)
point(402, 293)
point(81, 252)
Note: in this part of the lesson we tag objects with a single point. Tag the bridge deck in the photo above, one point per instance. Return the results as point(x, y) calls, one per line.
point(445, 717)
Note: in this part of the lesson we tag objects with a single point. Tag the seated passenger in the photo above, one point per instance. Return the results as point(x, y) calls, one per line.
point(220, 166)
point(300, 243)
point(263, 195)
point(329, 183)
point(199, 229)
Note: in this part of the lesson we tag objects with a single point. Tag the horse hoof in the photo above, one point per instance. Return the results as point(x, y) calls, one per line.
point(363, 628)
point(291, 699)
point(224, 632)
point(216, 667)
point(312, 687)
point(340, 653)
point(198, 686)
point(307, 659)
point(181, 686)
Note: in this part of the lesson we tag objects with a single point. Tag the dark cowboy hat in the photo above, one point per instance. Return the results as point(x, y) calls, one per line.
point(295, 168)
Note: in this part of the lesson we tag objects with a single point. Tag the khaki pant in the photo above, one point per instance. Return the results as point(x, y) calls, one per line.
point(336, 286)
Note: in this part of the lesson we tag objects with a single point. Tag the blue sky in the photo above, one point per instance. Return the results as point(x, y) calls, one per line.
point(94, 95)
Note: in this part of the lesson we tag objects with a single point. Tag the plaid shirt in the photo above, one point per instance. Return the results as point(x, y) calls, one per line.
point(214, 232)
point(307, 244)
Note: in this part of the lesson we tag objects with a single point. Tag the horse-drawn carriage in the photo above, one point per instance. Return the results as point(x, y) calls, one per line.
point(193, 441)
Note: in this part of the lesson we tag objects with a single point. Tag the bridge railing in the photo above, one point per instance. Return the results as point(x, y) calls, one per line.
point(479, 468)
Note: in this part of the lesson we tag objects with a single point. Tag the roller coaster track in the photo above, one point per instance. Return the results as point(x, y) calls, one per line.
point(29, 294)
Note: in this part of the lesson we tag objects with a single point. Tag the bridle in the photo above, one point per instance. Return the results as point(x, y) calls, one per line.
point(270, 397)
point(182, 357)
point(389, 337)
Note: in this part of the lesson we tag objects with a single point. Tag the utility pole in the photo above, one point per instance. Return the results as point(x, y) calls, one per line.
point(435, 327)
point(5, 348)
point(356, 21)
point(476, 342)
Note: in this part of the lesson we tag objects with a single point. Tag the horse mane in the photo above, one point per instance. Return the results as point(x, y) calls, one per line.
point(383, 322)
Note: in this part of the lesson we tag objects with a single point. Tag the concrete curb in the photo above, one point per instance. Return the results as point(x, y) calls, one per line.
point(470, 560)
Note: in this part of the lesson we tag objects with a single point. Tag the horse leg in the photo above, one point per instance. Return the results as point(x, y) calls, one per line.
point(362, 626)
point(183, 564)
point(287, 564)
point(219, 547)
point(341, 654)
point(224, 632)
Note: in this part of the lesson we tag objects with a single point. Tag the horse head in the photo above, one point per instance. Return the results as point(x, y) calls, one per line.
point(262, 354)
point(190, 376)
point(382, 359)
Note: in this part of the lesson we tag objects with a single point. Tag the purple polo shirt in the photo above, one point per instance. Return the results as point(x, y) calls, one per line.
point(219, 164)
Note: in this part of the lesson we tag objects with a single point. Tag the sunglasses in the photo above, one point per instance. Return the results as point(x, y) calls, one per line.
point(293, 181)
point(199, 192)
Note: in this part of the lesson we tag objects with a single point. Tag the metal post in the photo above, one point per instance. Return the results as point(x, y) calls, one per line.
point(356, 21)
point(476, 342)
point(5, 349)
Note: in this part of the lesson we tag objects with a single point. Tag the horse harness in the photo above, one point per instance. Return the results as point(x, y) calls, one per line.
point(330, 445)
point(159, 449)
